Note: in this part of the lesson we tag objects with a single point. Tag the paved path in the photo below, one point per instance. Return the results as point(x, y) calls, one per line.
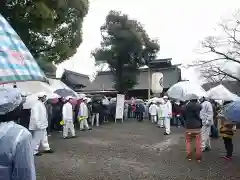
point(132, 151)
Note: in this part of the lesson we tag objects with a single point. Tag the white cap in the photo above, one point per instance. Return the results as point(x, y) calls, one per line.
point(177, 102)
point(10, 99)
point(41, 94)
point(68, 97)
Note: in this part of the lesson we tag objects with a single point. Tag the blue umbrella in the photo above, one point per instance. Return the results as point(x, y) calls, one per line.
point(232, 111)
point(16, 62)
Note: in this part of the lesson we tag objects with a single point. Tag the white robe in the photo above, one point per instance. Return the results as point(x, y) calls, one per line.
point(167, 109)
point(67, 113)
point(206, 114)
point(83, 112)
point(38, 118)
point(38, 124)
point(167, 114)
point(153, 110)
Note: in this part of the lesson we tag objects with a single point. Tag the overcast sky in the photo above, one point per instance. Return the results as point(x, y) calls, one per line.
point(179, 26)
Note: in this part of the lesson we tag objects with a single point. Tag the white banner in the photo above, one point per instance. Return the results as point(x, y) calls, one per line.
point(120, 107)
point(157, 83)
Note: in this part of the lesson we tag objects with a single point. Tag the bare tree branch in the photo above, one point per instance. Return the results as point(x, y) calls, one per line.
point(225, 50)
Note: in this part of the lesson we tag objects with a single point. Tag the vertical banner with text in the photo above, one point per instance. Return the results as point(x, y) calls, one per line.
point(120, 107)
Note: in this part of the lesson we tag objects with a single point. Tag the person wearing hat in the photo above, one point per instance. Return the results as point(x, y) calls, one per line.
point(16, 155)
point(67, 114)
point(167, 114)
point(83, 114)
point(38, 125)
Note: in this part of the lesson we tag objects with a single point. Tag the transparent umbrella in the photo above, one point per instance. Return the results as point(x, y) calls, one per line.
point(221, 93)
point(232, 112)
point(186, 90)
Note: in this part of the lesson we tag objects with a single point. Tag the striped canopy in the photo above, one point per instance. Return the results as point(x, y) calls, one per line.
point(16, 62)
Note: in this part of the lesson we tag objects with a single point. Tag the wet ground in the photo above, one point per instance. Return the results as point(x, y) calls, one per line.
point(133, 150)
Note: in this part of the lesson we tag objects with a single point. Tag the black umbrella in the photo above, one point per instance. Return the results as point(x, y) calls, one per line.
point(65, 92)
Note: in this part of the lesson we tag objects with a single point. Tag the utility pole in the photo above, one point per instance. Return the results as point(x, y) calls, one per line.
point(149, 82)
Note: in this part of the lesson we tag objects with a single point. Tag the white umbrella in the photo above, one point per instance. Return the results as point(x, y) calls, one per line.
point(185, 91)
point(32, 87)
point(221, 93)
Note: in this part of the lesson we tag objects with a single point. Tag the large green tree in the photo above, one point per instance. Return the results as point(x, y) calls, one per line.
point(125, 47)
point(51, 29)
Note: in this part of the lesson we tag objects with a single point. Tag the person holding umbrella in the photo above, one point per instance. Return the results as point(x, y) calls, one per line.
point(193, 125)
point(230, 116)
point(226, 132)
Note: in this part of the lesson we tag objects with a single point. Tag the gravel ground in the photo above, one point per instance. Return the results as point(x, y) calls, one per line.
point(132, 150)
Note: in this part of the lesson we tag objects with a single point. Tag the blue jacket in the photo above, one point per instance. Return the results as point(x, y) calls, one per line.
point(16, 155)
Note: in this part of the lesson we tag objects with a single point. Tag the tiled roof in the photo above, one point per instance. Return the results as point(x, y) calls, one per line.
point(104, 80)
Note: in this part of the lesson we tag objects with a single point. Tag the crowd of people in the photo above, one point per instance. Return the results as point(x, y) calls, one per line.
point(19, 144)
point(201, 119)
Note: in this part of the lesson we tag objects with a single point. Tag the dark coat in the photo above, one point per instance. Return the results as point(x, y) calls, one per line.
point(96, 107)
point(191, 115)
point(141, 108)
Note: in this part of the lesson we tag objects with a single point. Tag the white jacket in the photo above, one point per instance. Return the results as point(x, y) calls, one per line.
point(206, 114)
point(153, 110)
point(38, 118)
point(67, 112)
point(160, 111)
point(167, 109)
point(83, 110)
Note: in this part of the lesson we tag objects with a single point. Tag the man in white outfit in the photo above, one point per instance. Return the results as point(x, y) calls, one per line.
point(160, 115)
point(83, 115)
point(206, 114)
point(167, 114)
point(38, 124)
point(153, 112)
point(67, 114)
